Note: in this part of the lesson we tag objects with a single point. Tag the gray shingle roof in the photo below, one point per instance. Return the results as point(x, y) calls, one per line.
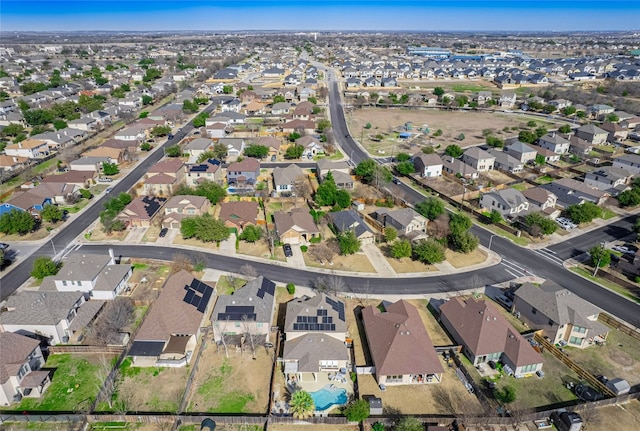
point(310, 349)
point(257, 294)
point(39, 308)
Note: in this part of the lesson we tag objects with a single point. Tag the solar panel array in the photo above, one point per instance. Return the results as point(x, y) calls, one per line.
point(267, 286)
point(198, 168)
point(152, 204)
point(337, 306)
point(321, 322)
point(237, 313)
point(198, 294)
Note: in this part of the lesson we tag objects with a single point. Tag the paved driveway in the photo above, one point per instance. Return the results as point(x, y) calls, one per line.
point(297, 260)
point(377, 259)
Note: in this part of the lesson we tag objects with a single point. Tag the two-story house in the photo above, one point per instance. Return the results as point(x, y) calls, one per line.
point(208, 170)
point(21, 361)
point(479, 159)
point(609, 179)
point(285, 179)
point(163, 177)
point(405, 220)
point(427, 165)
point(592, 134)
point(243, 175)
point(563, 316)
point(554, 142)
point(30, 148)
point(508, 202)
point(181, 206)
point(521, 151)
point(628, 162)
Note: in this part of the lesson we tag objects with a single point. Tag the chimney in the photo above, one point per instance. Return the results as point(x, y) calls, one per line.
point(111, 255)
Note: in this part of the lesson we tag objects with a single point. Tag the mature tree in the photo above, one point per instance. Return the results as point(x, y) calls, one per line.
point(430, 208)
point(438, 91)
point(629, 198)
point(429, 251)
point(211, 230)
point(584, 213)
point(612, 118)
point(464, 242)
point(400, 249)
point(13, 129)
point(251, 233)
point(326, 192)
point(145, 146)
point(459, 223)
point(51, 213)
point(439, 228)
point(190, 106)
point(60, 124)
point(565, 128)
point(390, 233)
point(342, 199)
point(279, 99)
point(219, 151)
point(293, 136)
point(211, 190)
point(161, 130)
point(600, 256)
point(146, 100)
point(16, 221)
point(301, 405)
point(409, 423)
point(453, 150)
point(357, 410)
point(494, 141)
point(546, 225)
point(294, 152)
point(568, 110)
point(581, 114)
point(115, 318)
point(527, 137)
point(188, 227)
point(227, 89)
point(373, 173)
point(402, 157)
point(151, 75)
point(405, 168)
point(173, 151)
point(256, 151)
point(322, 252)
point(348, 242)
point(110, 168)
point(44, 266)
point(200, 120)
point(323, 124)
point(505, 395)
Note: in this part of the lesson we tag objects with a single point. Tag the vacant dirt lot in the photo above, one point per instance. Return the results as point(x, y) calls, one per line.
point(452, 123)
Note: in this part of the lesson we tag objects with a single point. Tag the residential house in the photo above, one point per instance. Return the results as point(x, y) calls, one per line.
point(163, 177)
point(579, 146)
point(427, 165)
point(21, 361)
point(243, 175)
point(169, 333)
point(129, 147)
point(281, 108)
point(592, 134)
point(218, 130)
point(400, 347)
point(572, 192)
point(29, 148)
point(247, 312)
point(239, 214)
point(87, 124)
point(505, 162)
point(507, 100)
point(455, 166)
point(33, 200)
point(285, 179)
point(136, 132)
point(541, 200)
point(208, 170)
point(303, 127)
point(98, 276)
point(315, 329)
point(347, 220)
point(484, 97)
point(340, 171)
point(13, 163)
point(115, 155)
point(89, 164)
point(235, 147)
point(485, 335)
point(311, 145)
point(608, 179)
point(554, 142)
point(478, 159)
point(508, 202)
point(628, 162)
point(45, 314)
point(600, 111)
point(405, 220)
point(181, 206)
point(141, 210)
point(616, 133)
point(521, 151)
point(562, 316)
point(296, 226)
point(272, 143)
point(198, 146)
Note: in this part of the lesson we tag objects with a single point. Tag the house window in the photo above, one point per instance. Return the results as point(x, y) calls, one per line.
point(237, 324)
point(23, 371)
point(534, 311)
point(394, 379)
point(576, 341)
point(529, 368)
point(579, 329)
point(64, 282)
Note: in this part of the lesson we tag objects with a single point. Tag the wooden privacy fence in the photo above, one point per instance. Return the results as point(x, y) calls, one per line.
point(116, 350)
point(597, 384)
point(615, 323)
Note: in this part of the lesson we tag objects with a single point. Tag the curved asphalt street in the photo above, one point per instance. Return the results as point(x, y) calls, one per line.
point(516, 261)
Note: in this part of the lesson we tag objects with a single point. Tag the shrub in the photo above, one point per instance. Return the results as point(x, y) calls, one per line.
point(357, 410)
point(291, 288)
point(304, 248)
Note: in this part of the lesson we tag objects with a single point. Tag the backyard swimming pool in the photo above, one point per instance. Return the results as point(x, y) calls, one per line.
point(328, 397)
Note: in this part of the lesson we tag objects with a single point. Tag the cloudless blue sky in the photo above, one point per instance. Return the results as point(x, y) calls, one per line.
point(422, 15)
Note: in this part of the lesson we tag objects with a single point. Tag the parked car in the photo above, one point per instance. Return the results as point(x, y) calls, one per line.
point(105, 180)
point(108, 189)
point(621, 249)
point(273, 158)
point(163, 232)
point(504, 301)
point(288, 252)
point(587, 393)
point(4, 246)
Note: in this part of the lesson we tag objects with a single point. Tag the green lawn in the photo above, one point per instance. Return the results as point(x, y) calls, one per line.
point(225, 287)
point(520, 187)
point(77, 206)
point(469, 88)
point(44, 166)
point(228, 401)
point(607, 214)
point(517, 240)
point(74, 385)
point(544, 179)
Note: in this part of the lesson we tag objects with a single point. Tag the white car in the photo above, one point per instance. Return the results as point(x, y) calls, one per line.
point(621, 249)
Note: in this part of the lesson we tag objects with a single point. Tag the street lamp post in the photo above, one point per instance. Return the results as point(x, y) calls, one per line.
point(595, 271)
point(491, 239)
point(54, 248)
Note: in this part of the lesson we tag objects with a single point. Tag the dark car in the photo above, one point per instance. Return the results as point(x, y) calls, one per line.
point(3, 245)
point(288, 252)
point(163, 232)
point(587, 393)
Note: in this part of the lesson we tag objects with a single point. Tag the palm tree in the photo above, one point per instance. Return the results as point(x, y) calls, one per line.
point(301, 405)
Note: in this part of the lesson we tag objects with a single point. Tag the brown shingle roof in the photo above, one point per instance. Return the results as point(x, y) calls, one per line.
point(14, 351)
point(247, 165)
point(239, 213)
point(169, 314)
point(298, 219)
point(167, 165)
point(398, 341)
